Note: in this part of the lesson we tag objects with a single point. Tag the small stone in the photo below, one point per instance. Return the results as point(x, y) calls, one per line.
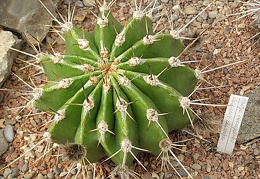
point(3, 143)
point(25, 167)
point(29, 175)
point(196, 166)
point(240, 168)
point(68, 2)
point(225, 164)
point(256, 152)
point(174, 17)
point(204, 15)
point(241, 26)
point(208, 168)
point(213, 14)
point(57, 170)
point(196, 156)
point(225, 71)
point(40, 148)
point(15, 172)
point(190, 10)
point(9, 133)
point(33, 123)
point(89, 2)
point(168, 175)
point(207, 177)
point(182, 173)
point(40, 176)
point(50, 175)
point(7, 172)
point(1, 98)
point(79, 4)
point(62, 174)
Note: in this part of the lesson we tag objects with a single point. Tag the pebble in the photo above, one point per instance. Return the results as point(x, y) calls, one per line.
point(190, 10)
point(9, 133)
point(29, 175)
point(33, 123)
point(1, 98)
point(256, 152)
point(204, 15)
point(25, 167)
point(50, 175)
point(182, 173)
point(3, 143)
point(15, 172)
point(196, 156)
point(68, 1)
point(79, 4)
point(213, 14)
point(40, 176)
point(174, 17)
point(196, 166)
point(7, 172)
point(57, 170)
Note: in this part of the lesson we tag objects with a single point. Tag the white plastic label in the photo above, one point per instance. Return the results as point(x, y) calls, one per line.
point(231, 124)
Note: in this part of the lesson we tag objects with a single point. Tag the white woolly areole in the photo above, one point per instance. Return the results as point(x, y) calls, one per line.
point(102, 128)
point(174, 62)
point(123, 81)
point(103, 51)
point(121, 105)
point(56, 58)
point(126, 145)
point(88, 104)
point(175, 34)
point(184, 102)
point(199, 75)
point(120, 39)
point(38, 57)
point(102, 22)
point(61, 114)
point(86, 68)
point(152, 115)
point(66, 26)
point(37, 93)
point(47, 136)
point(149, 39)
point(106, 84)
point(92, 80)
point(138, 15)
point(65, 83)
point(134, 61)
point(83, 44)
point(151, 80)
point(165, 144)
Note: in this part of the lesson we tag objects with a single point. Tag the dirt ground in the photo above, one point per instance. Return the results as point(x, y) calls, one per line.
point(224, 42)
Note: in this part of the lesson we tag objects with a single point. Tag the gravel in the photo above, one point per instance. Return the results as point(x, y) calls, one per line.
point(9, 133)
point(25, 167)
point(15, 172)
point(57, 170)
point(196, 166)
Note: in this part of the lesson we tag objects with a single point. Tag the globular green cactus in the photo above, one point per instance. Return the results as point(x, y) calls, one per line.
point(117, 91)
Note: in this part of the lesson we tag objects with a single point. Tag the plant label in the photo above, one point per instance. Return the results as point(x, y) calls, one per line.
point(231, 124)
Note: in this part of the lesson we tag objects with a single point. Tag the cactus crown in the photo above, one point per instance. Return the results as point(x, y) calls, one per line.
point(116, 91)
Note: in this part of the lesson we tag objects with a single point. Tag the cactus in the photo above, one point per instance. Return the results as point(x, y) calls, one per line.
point(116, 91)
